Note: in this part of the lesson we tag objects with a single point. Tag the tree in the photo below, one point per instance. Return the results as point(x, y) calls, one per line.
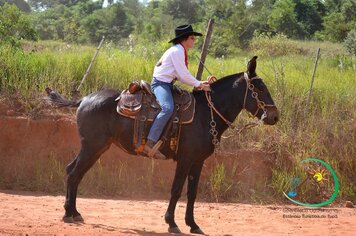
point(332, 5)
point(230, 22)
point(158, 24)
point(21, 4)
point(119, 24)
point(236, 21)
point(350, 42)
point(283, 18)
point(340, 19)
point(84, 8)
point(256, 17)
point(50, 23)
point(182, 9)
point(111, 22)
point(309, 15)
point(134, 11)
point(335, 28)
point(14, 26)
point(65, 23)
point(45, 4)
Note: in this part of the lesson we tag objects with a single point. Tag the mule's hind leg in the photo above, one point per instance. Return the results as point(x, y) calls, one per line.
point(69, 169)
point(86, 158)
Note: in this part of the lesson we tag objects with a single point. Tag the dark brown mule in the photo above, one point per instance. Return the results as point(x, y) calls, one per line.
point(99, 126)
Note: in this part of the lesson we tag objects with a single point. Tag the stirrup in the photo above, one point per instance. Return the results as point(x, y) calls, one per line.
point(151, 154)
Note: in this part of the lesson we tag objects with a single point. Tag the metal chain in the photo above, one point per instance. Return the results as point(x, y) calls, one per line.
point(260, 104)
point(213, 131)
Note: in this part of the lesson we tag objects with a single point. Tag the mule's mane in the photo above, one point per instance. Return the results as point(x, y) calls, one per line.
point(223, 80)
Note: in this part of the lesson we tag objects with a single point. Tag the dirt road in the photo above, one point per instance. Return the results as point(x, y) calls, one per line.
point(29, 214)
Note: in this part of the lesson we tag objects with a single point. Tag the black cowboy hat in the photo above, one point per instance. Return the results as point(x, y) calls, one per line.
point(184, 30)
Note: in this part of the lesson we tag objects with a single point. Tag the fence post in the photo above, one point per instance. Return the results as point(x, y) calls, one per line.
point(204, 50)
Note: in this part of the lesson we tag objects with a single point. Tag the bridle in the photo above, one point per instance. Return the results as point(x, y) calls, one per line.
point(260, 106)
point(249, 86)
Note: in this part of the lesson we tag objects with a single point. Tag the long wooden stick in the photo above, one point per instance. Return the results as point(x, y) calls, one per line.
point(312, 81)
point(91, 63)
point(204, 50)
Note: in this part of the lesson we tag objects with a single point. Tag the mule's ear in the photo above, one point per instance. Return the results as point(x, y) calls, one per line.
point(251, 66)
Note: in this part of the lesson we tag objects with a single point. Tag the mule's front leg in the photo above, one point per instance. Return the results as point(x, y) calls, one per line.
point(193, 180)
point(178, 182)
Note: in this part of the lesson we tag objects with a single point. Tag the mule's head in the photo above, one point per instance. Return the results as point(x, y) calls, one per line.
point(258, 100)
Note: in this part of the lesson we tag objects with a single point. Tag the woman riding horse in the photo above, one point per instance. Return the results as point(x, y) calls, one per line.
point(172, 66)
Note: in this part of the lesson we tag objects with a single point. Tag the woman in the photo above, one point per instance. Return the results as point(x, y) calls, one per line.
point(172, 66)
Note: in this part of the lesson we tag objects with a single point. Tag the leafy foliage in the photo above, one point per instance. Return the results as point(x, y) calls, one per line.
point(14, 26)
point(236, 21)
point(272, 46)
point(21, 4)
point(350, 42)
point(46, 4)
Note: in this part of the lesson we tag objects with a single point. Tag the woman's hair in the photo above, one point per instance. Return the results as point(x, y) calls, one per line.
point(181, 39)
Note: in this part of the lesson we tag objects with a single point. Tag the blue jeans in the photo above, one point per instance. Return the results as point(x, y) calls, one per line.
point(163, 93)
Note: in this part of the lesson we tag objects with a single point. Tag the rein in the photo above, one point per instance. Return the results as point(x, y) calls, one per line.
point(212, 107)
point(260, 105)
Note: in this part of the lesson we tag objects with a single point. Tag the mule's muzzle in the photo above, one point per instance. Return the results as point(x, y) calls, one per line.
point(272, 116)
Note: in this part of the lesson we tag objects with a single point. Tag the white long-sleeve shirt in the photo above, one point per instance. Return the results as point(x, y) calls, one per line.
point(172, 65)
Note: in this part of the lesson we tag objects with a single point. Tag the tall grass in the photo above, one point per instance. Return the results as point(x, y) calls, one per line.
point(63, 68)
point(325, 128)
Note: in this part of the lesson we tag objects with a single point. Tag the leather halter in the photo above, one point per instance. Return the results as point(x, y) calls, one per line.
point(260, 104)
point(249, 86)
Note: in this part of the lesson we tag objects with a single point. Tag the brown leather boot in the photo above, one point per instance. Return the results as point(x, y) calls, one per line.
point(151, 150)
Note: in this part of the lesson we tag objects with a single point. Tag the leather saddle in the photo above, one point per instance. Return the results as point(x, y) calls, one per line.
point(139, 103)
point(132, 100)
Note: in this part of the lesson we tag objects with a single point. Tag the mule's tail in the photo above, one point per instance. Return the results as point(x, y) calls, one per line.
point(59, 101)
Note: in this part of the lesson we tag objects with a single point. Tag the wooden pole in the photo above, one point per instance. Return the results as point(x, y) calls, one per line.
point(312, 81)
point(91, 64)
point(204, 50)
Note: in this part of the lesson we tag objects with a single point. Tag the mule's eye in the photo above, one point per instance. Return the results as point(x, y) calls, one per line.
point(260, 87)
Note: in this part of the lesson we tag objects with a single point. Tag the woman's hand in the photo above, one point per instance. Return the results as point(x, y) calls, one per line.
point(205, 86)
point(211, 79)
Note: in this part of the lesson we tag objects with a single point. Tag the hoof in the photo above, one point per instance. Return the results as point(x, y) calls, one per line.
point(174, 230)
point(68, 219)
point(197, 231)
point(78, 218)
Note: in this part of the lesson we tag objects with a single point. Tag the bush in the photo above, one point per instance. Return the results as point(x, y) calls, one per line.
point(276, 45)
point(350, 42)
point(14, 26)
point(280, 45)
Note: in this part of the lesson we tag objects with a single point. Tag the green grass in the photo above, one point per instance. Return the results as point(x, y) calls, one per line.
point(325, 128)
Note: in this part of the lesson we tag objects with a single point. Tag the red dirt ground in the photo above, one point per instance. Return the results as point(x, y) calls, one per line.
point(26, 214)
